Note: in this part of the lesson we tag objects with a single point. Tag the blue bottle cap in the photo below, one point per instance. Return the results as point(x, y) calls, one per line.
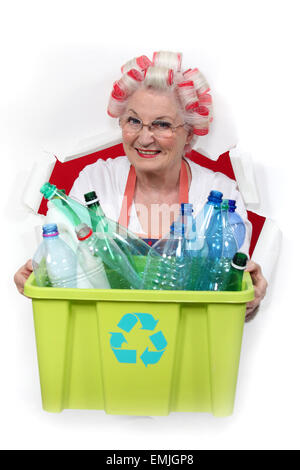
point(231, 205)
point(186, 208)
point(176, 228)
point(215, 196)
point(50, 230)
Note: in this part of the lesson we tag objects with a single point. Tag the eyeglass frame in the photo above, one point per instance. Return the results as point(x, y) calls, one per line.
point(142, 125)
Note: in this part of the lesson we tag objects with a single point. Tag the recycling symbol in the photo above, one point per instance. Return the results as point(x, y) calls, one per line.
point(129, 356)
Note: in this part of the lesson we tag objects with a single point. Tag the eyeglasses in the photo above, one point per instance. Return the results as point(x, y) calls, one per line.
point(133, 125)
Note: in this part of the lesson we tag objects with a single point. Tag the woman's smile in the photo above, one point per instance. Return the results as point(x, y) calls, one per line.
point(147, 153)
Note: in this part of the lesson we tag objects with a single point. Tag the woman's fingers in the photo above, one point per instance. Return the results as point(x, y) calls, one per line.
point(22, 275)
point(260, 287)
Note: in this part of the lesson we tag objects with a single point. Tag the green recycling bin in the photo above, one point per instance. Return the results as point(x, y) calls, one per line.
point(138, 352)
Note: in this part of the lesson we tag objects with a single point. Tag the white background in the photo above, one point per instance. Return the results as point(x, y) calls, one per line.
point(58, 62)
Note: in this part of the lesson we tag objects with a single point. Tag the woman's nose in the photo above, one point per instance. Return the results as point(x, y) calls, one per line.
point(145, 136)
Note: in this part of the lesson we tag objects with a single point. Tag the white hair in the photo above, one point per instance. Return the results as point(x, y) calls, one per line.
point(164, 74)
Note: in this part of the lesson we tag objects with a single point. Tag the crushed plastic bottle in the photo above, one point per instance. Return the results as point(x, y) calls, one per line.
point(119, 272)
point(89, 260)
point(169, 262)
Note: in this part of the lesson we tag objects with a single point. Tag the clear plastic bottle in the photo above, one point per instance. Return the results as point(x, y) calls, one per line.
point(57, 213)
point(132, 246)
point(120, 273)
point(169, 263)
point(236, 223)
point(54, 263)
point(195, 246)
point(88, 259)
point(218, 266)
point(209, 225)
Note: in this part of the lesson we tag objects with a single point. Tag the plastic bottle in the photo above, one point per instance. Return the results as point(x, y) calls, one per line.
point(132, 246)
point(209, 224)
point(218, 266)
point(236, 223)
point(120, 273)
point(88, 259)
point(238, 265)
point(57, 213)
point(73, 210)
point(54, 263)
point(169, 264)
point(195, 246)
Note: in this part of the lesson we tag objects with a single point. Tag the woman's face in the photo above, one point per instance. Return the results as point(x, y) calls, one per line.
point(144, 150)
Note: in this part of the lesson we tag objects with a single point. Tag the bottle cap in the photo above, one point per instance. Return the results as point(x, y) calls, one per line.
point(225, 205)
point(215, 196)
point(48, 190)
point(239, 261)
point(177, 228)
point(83, 231)
point(232, 205)
point(91, 198)
point(186, 208)
point(50, 230)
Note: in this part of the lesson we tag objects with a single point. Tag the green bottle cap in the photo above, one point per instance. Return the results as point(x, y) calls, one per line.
point(224, 205)
point(48, 190)
point(239, 260)
point(91, 198)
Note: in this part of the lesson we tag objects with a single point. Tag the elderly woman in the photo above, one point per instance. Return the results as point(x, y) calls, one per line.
point(161, 110)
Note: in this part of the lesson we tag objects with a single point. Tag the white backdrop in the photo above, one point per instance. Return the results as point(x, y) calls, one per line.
point(59, 59)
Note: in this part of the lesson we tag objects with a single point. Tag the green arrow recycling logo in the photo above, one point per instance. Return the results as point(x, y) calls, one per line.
point(129, 356)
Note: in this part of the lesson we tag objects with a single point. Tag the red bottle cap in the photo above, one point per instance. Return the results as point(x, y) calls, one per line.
point(86, 236)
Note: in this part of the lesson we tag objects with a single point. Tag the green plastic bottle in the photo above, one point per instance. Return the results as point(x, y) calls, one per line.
point(238, 265)
point(76, 212)
point(135, 249)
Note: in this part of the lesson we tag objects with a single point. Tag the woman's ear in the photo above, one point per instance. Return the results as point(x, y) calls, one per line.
point(190, 135)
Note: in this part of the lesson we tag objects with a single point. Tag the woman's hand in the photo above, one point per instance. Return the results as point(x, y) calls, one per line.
point(22, 275)
point(260, 286)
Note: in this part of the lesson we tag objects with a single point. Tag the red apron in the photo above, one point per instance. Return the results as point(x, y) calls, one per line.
point(129, 195)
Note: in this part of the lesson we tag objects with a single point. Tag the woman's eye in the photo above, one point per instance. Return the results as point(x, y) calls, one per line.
point(162, 124)
point(133, 120)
